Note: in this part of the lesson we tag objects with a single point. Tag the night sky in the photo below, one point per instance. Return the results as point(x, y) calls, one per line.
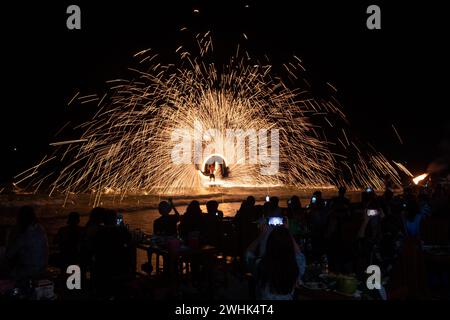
point(394, 76)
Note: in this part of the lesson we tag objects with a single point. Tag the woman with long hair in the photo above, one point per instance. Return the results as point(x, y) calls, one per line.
point(192, 220)
point(280, 267)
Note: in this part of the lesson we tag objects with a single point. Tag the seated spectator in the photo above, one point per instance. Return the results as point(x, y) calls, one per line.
point(27, 247)
point(280, 268)
point(166, 225)
point(69, 240)
point(191, 223)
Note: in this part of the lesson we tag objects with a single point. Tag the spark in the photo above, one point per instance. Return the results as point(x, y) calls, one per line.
point(332, 87)
point(126, 147)
point(404, 169)
point(73, 98)
point(398, 136)
point(60, 143)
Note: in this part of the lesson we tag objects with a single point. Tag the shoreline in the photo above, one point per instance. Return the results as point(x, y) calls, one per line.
point(59, 206)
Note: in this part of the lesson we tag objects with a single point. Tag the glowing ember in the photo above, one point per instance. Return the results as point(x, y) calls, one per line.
point(417, 179)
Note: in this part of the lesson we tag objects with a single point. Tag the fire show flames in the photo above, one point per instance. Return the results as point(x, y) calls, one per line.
point(420, 178)
point(126, 146)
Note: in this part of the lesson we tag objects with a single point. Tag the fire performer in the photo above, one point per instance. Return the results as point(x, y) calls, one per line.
point(212, 168)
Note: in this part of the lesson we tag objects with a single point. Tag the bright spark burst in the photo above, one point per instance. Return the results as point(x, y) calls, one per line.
point(420, 178)
point(126, 147)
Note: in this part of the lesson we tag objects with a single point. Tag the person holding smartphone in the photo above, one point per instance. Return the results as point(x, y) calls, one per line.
point(318, 217)
point(369, 234)
point(212, 230)
point(275, 249)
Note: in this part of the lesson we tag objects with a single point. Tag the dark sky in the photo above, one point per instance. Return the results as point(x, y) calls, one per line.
point(394, 76)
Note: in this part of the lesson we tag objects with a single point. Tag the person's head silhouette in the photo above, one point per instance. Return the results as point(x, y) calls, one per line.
point(110, 218)
point(193, 208)
point(73, 219)
point(212, 206)
point(164, 208)
point(250, 201)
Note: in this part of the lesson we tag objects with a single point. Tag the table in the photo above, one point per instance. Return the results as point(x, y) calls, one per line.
point(174, 263)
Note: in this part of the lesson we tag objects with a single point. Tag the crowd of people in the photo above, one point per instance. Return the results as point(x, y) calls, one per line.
point(273, 243)
point(101, 248)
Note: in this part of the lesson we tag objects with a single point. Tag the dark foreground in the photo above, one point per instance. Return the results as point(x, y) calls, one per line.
point(214, 257)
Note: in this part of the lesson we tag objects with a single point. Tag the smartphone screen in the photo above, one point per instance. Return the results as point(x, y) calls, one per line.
point(372, 212)
point(275, 221)
point(267, 198)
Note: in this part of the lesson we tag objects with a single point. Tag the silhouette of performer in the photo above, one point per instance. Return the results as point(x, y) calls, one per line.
point(212, 167)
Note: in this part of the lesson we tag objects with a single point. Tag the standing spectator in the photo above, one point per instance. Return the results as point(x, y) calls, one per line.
point(246, 224)
point(69, 240)
point(295, 217)
point(212, 224)
point(113, 263)
point(27, 247)
point(413, 215)
point(318, 216)
point(91, 230)
point(340, 204)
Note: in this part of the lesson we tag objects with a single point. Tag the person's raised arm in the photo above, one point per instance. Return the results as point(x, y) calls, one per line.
point(174, 208)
